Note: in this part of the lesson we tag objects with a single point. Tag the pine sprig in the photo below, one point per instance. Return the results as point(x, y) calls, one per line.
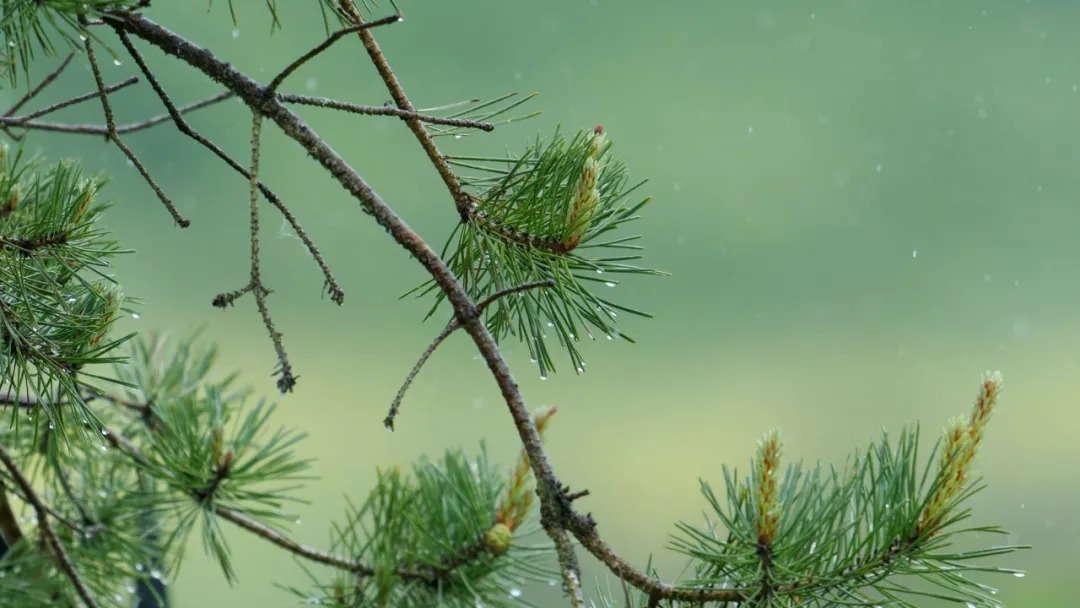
point(57, 304)
point(426, 536)
point(872, 533)
point(206, 448)
point(551, 214)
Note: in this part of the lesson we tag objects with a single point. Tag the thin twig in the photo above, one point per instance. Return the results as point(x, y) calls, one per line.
point(325, 44)
point(266, 532)
point(334, 104)
point(286, 380)
point(62, 557)
point(337, 294)
point(454, 324)
point(123, 129)
point(16, 120)
point(502, 293)
point(395, 405)
point(112, 135)
point(32, 93)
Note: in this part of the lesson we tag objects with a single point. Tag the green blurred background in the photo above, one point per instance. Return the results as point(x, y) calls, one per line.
point(863, 205)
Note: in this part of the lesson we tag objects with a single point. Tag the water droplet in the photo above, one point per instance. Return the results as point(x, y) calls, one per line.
point(599, 271)
point(102, 494)
point(52, 425)
point(878, 167)
point(609, 284)
point(155, 574)
point(117, 62)
point(543, 375)
point(140, 567)
point(298, 521)
point(236, 33)
point(118, 597)
point(914, 253)
point(750, 130)
point(104, 432)
point(311, 84)
point(136, 316)
point(457, 135)
point(609, 337)
point(1019, 574)
point(515, 592)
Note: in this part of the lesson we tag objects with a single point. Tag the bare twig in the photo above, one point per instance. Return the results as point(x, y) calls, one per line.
point(32, 93)
point(45, 528)
point(123, 129)
point(113, 136)
point(454, 324)
point(325, 44)
point(337, 294)
point(502, 293)
point(14, 121)
point(334, 104)
point(395, 405)
point(267, 533)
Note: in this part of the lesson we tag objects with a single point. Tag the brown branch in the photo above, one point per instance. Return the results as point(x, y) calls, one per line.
point(334, 104)
point(337, 294)
point(462, 200)
point(113, 136)
point(53, 541)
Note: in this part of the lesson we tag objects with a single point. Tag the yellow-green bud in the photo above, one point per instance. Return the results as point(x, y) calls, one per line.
point(497, 539)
